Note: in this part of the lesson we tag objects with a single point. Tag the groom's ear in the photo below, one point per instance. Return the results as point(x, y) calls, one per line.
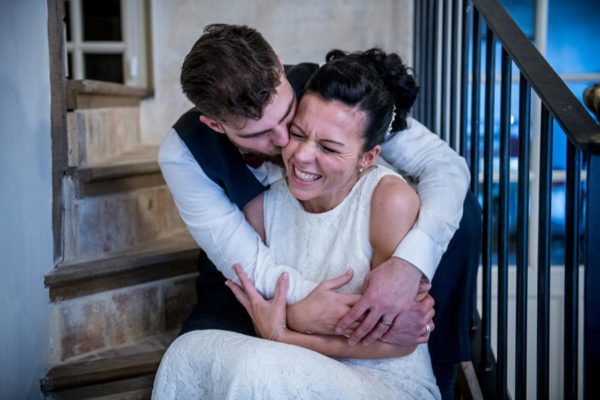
point(369, 158)
point(212, 124)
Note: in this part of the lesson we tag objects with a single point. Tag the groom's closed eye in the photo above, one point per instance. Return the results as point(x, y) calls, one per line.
point(253, 135)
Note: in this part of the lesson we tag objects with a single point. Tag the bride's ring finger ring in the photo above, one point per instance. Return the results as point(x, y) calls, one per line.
point(384, 322)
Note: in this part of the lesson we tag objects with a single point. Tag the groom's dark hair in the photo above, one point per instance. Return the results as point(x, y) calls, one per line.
point(231, 73)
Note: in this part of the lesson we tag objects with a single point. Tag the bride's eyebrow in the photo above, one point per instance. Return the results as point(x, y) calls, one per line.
point(331, 141)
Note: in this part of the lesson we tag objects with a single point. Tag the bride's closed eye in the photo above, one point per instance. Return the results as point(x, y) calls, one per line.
point(329, 150)
point(296, 134)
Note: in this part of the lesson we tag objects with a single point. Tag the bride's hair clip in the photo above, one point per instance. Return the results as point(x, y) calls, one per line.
point(388, 134)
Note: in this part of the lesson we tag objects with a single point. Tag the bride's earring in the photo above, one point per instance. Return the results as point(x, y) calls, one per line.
point(360, 170)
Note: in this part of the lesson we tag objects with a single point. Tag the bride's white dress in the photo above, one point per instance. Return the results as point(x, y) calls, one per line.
point(216, 364)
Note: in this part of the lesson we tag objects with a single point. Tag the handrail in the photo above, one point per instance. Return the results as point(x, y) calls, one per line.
point(578, 125)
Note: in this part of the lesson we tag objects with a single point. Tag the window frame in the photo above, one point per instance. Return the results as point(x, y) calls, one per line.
point(132, 46)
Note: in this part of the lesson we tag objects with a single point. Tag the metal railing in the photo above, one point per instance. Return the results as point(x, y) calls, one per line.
point(448, 57)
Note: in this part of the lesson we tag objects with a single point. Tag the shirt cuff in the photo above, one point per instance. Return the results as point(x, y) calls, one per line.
point(418, 249)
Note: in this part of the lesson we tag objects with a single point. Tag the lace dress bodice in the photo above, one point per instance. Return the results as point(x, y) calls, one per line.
point(324, 244)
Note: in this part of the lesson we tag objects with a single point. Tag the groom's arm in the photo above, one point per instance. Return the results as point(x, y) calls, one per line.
point(218, 225)
point(390, 289)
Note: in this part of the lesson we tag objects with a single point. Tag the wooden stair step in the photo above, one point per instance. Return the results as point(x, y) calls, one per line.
point(138, 363)
point(135, 169)
point(88, 93)
point(138, 388)
point(159, 259)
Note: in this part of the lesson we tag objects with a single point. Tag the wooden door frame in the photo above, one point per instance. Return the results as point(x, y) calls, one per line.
point(58, 119)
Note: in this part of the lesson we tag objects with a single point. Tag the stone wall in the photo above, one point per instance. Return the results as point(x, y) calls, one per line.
point(297, 30)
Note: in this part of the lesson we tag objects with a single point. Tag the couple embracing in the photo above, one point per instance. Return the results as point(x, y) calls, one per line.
point(277, 170)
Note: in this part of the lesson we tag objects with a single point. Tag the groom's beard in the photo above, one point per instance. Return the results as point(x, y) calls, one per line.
point(275, 159)
point(272, 158)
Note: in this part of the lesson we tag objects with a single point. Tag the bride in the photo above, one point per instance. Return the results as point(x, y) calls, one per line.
point(337, 208)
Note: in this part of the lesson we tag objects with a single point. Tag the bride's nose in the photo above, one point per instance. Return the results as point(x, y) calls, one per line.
point(305, 152)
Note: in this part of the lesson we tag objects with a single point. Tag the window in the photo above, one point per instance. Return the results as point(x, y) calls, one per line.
point(106, 41)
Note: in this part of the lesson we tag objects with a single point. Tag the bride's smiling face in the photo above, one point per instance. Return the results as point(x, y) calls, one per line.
point(325, 152)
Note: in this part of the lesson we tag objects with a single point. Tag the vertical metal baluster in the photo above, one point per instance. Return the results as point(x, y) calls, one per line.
point(454, 75)
point(505, 99)
point(486, 320)
point(444, 66)
point(571, 271)
point(464, 73)
point(435, 65)
point(474, 140)
point(591, 322)
point(431, 64)
point(475, 89)
point(426, 60)
point(420, 61)
point(522, 236)
point(544, 255)
point(417, 53)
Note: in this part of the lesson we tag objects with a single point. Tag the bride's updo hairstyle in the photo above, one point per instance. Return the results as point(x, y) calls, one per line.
point(379, 84)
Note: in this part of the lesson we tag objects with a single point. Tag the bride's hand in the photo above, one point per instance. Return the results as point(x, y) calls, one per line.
point(269, 316)
point(321, 310)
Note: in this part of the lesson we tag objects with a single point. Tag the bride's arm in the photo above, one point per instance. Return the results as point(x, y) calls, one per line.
point(337, 346)
point(393, 200)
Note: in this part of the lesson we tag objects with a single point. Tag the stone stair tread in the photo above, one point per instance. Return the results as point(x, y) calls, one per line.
point(90, 86)
point(163, 248)
point(112, 365)
point(138, 388)
point(170, 256)
point(88, 93)
point(141, 160)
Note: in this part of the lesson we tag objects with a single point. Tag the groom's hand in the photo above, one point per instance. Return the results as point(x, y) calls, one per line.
point(321, 310)
point(390, 295)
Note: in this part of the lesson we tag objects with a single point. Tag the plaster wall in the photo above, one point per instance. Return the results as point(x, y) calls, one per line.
point(26, 197)
point(298, 31)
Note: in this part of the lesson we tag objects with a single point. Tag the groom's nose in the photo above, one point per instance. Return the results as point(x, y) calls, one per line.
point(280, 136)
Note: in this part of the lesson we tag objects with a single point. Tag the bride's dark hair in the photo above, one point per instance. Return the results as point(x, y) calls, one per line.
point(377, 83)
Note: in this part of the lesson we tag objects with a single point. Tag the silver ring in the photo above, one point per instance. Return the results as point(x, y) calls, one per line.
point(384, 322)
point(427, 330)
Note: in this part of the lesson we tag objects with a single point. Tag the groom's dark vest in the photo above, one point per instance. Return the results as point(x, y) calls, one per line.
point(221, 160)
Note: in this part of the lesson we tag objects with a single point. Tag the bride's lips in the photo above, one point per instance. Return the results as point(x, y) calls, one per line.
point(304, 177)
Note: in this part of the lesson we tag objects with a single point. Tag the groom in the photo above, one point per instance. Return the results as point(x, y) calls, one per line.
point(225, 151)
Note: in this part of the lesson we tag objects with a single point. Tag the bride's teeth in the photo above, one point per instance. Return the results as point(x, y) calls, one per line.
point(304, 176)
